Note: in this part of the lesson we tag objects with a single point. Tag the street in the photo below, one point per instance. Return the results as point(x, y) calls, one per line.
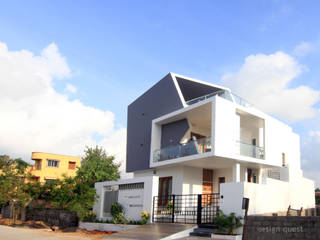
point(11, 233)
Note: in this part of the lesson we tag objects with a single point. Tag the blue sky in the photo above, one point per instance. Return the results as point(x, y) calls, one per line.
point(115, 50)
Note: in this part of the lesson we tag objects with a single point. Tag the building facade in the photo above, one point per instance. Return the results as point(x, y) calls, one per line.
point(49, 167)
point(195, 138)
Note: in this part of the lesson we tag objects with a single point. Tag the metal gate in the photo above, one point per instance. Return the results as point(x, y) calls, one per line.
point(192, 208)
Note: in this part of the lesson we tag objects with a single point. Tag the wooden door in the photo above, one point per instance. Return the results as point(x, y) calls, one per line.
point(207, 186)
point(207, 181)
point(165, 189)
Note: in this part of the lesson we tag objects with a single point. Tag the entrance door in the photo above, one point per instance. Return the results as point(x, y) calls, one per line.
point(165, 189)
point(207, 186)
point(207, 181)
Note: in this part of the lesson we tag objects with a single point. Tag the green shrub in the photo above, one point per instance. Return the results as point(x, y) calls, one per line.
point(145, 216)
point(117, 213)
point(169, 206)
point(227, 224)
point(91, 217)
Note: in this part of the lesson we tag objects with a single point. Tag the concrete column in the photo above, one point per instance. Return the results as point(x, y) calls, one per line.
point(236, 172)
point(213, 127)
point(246, 175)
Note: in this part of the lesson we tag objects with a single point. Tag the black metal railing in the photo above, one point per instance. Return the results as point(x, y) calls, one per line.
point(192, 208)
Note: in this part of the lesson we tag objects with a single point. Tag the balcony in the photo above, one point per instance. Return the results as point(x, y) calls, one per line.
point(224, 94)
point(221, 93)
point(192, 147)
point(250, 150)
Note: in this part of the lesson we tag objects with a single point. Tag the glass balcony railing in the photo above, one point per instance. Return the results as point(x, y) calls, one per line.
point(192, 147)
point(240, 101)
point(221, 93)
point(250, 150)
point(224, 94)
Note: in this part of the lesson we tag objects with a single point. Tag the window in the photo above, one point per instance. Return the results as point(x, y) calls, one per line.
point(72, 165)
point(37, 164)
point(131, 186)
point(51, 180)
point(53, 163)
point(35, 179)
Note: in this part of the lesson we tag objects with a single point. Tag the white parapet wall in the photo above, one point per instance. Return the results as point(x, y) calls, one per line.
point(269, 197)
point(133, 199)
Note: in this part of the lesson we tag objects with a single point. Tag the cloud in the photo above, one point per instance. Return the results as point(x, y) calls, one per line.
point(264, 81)
point(70, 88)
point(35, 117)
point(303, 49)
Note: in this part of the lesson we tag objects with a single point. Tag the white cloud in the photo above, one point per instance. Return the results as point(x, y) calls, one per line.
point(314, 133)
point(70, 88)
point(34, 117)
point(264, 81)
point(303, 49)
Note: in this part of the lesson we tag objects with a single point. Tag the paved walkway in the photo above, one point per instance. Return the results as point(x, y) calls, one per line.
point(154, 231)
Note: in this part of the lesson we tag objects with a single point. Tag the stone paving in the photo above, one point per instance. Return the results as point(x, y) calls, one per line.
point(154, 231)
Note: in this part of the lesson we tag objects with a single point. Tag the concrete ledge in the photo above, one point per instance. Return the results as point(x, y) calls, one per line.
point(105, 226)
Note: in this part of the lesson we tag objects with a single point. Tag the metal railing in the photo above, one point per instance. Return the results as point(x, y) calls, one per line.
point(250, 150)
point(191, 208)
point(192, 147)
point(241, 101)
point(224, 94)
point(221, 93)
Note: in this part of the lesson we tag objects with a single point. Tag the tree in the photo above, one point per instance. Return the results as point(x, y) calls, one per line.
point(317, 196)
point(12, 184)
point(5, 160)
point(97, 166)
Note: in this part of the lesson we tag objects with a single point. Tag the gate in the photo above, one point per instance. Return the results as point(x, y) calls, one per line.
point(192, 208)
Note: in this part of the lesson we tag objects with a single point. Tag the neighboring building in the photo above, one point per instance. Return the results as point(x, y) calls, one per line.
point(48, 166)
point(189, 140)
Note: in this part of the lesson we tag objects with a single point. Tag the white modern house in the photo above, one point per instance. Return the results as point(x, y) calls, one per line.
point(190, 142)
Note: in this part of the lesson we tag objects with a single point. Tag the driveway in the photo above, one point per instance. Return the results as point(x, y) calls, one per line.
point(11, 233)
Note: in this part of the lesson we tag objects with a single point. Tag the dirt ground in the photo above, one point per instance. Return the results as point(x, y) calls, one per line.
point(32, 230)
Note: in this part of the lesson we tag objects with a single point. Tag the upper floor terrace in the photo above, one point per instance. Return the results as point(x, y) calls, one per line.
point(181, 119)
point(210, 125)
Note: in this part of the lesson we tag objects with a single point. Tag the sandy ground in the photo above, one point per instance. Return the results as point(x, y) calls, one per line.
point(18, 233)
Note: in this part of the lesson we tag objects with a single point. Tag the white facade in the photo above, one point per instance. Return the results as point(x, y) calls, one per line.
point(134, 200)
point(251, 155)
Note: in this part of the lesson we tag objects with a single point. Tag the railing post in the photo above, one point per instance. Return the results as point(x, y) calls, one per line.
point(173, 206)
point(199, 209)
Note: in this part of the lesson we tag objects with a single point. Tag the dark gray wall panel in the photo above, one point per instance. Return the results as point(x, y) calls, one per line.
point(191, 90)
point(172, 133)
point(159, 100)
